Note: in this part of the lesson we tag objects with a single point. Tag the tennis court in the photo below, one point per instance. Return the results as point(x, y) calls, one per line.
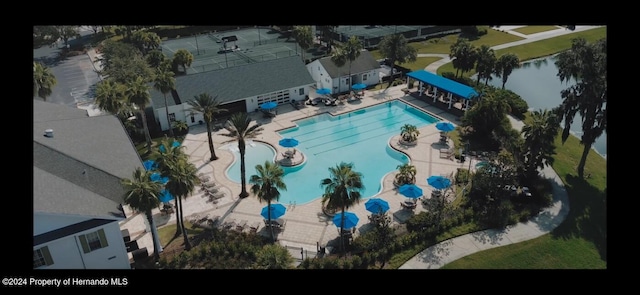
point(372, 35)
point(242, 47)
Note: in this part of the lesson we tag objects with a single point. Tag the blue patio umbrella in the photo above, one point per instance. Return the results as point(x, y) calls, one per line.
point(410, 191)
point(438, 182)
point(277, 210)
point(323, 91)
point(445, 126)
point(165, 196)
point(174, 144)
point(149, 164)
point(158, 178)
point(350, 220)
point(359, 86)
point(269, 105)
point(288, 142)
point(376, 205)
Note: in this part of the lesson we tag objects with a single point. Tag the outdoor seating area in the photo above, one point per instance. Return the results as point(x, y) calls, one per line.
point(228, 223)
point(167, 208)
point(347, 233)
point(444, 139)
point(278, 223)
point(253, 228)
point(297, 104)
point(289, 154)
point(447, 153)
point(409, 204)
point(375, 218)
point(206, 221)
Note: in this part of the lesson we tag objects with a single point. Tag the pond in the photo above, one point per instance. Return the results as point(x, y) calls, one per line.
point(536, 81)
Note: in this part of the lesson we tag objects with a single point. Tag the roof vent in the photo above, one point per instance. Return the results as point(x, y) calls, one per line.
point(48, 133)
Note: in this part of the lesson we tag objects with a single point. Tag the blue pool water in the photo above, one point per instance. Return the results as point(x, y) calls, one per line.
point(360, 137)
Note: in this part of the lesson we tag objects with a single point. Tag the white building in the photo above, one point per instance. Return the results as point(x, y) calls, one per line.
point(238, 89)
point(365, 69)
point(78, 163)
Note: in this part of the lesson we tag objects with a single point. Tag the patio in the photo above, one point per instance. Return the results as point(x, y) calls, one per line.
point(306, 225)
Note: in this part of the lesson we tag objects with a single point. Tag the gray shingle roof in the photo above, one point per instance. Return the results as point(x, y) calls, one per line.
point(239, 82)
point(364, 62)
point(78, 170)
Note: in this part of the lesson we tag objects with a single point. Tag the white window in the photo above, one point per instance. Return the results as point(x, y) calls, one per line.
point(93, 241)
point(364, 77)
point(42, 257)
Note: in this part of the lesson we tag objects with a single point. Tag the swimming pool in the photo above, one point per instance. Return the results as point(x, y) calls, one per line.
point(360, 137)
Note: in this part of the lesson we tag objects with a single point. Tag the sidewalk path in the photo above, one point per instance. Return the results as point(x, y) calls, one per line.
point(447, 251)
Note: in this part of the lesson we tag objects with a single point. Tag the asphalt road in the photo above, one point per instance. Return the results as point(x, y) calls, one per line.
point(76, 76)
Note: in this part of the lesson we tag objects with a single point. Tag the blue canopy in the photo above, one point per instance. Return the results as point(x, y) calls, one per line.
point(288, 142)
point(277, 210)
point(350, 220)
point(165, 196)
point(323, 91)
point(158, 178)
point(445, 126)
point(439, 182)
point(149, 164)
point(359, 86)
point(376, 205)
point(269, 105)
point(443, 83)
point(174, 144)
point(410, 191)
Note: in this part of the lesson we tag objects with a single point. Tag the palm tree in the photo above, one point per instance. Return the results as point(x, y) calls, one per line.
point(304, 37)
point(165, 82)
point(266, 185)
point(43, 81)
point(342, 189)
point(406, 174)
point(141, 193)
point(409, 133)
point(137, 93)
point(539, 135)
point(396, 49)
point(182, 58)
point(110, 97)
point(183, 180)
point(208, 106)
point(327, 35)
point(463, 55)
point(167, 159)
point(485, 64)
point(586, 63)
point(347, 53)
point(239, 127)
point(505, 65)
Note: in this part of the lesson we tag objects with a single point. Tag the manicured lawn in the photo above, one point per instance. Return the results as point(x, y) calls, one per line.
point(580, 242)
point(539, 48)
point(528, 30)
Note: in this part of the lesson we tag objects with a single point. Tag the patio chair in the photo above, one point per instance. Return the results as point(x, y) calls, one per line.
point(253, 228)
point(241, 225)
point(229, 223)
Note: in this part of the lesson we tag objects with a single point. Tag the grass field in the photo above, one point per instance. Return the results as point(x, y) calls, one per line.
point(528, 30)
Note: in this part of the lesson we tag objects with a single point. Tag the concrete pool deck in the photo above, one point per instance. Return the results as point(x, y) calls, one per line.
point(306, 225)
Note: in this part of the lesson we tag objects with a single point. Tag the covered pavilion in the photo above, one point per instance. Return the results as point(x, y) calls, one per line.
point(448, 86)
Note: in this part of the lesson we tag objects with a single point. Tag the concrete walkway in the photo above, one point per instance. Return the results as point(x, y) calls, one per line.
point(445, 252)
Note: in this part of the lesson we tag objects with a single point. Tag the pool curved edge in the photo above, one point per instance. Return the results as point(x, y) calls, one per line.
point(235, 158)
